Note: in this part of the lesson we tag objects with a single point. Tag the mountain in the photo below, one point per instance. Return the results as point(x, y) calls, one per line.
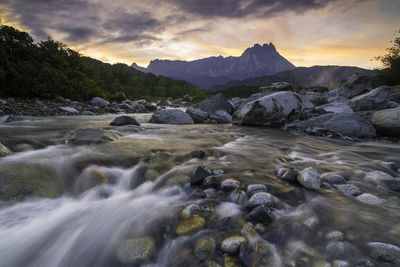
point(328, 76)
point(255, 61)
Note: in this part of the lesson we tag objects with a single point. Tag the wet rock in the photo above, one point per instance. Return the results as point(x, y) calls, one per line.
point(260, 228)
point(4, 151)
point(86, 136)
point(224, 224)
point(389, 165)
point(88, 179)
point(311, 223)
point(221, 116)
point(333, 178)
point(213, 182)
point(322, 264)
point(164, 103)
point(199, 175)
point(261, 198)
point(387, 253)
point(198, 194)
point(135, 251)
point(198, 115)
point(98, 101)
point(309, 178)
point(204, 248)
point(387, 122)
point(70, 110)
point(345, 124)
point(230, 185)
point(261, 214)
point(218, 172)
point(334, 236)
point(187, 211)
point(231, 245)
point(238, 196)
point(124, 120)
point(214, 103)
point(230, 261)
point(374, 100)
point(340, 250)
point(190, 225)
point(290, 175)
point(250, 257)
point(271, 110)
point(363, 263)
point(349, 189)
point(213, 264)
point(354, 85)
point(171, 116)
point(335, 107)
point(248, 230)
point(369, 199)
point(340, 263)
point(391, 184)
point(256, 188)
point(178, 180)
point(200, 154)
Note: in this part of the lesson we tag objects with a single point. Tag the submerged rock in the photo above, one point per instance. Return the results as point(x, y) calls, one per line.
point(334, 236)
point(124, 120)
point(190, 225)
point(387, 122)
point(89, 178)
point(231, 245)
point(135, 251)
point(199, 175)
point(369, 199)
point(230, 184)
point(256, 188)
point(261, 214)
point(4, 151)
point(171, 116)
point(86, 136)
point(204, 248)
point(333, 178)
point(187, 211)
point(309, 178)
point(349, 189)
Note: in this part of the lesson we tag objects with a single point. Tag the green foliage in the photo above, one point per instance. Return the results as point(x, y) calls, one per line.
point(242, 91)
point(50, 69)
point(390, 73)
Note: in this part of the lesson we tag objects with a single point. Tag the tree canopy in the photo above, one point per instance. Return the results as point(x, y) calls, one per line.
point(390, 73)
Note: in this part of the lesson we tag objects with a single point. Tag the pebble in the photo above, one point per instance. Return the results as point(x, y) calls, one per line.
point(199, 175)
point(261, 198)
point(349, 189)
point(231, 245)
point(256, 188)
point(333, 178)
point(261, 214)
point(369, 199)
point(334, 236)
point(230, 184)
point(309, 178)
point(290, 175)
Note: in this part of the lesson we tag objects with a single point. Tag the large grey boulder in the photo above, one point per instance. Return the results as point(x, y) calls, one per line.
point(198, 115)
point(387, 121)
point(374, 100)
point(85, 136)
point(171, 116)
point(98, 101)
point(317, 98)
point(236, 102)
point(354, 85)
point(271, 110)
point(124, 120)
point(214, 103)
point(221, 116)
point(346, 124)
point(335, 107)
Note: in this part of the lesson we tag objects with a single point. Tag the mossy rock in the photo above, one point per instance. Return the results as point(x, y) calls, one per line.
point(178, 180)
point(89, 178)
point(18, 181)
point(135, 251)
point(190, 225)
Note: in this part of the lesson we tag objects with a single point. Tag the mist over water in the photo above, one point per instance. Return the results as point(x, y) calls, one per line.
point(141, 195)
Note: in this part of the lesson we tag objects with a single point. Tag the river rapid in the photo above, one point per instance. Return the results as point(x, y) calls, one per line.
point(135, 188)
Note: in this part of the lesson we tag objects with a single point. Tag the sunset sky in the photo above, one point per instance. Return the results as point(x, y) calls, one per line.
point(306, 32)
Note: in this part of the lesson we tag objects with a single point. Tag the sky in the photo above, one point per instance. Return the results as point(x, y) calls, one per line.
point(306, 32)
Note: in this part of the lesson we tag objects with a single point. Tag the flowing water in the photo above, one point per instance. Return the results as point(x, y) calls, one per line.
point(137, 187)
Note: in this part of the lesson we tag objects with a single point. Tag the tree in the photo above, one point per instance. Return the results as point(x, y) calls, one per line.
point(390, 73)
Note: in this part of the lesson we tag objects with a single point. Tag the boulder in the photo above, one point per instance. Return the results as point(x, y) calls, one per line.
point(198, 115)
point(214, 103)
point(164, 103)
point(342, 124)
point(4, 151)
point(277, 86)
point(171, 116)
point(221, 116)
point(124, 120)
point(387, 122)
point(271, 110)
point(98, 101)
point(374, 100)
point(236, 102)
point(354, 85)
point(135, 251)
point(309, 178)
point(317, 98)
point(335, 107)
point(86, 136)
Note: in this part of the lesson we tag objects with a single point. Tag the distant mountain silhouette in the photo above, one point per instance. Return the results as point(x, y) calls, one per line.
point(255, 61)
point(328, 76)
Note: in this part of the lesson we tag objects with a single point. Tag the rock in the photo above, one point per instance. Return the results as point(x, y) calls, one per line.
point(248, 230)
point(190, 225)
point(261, 198)
point(224, 224)
point(70, 110)
point(369, 199)
point(204, 248)
point(290, 175)
point(163, 103)
point(333, 178)
point(124, 120)
point(354, 85)
point(88, 113)
point(214, 103)
point(218, 172)
point(199, 175)
point(385, 253)
point(171, 116)
point(335, 107)
point(238, 196)
point(256, 188)
point(187, 211)
point(277, 86)
point(221, 116)
point(198, 115)
point(340, 263)
point(86, 136)
point(89, 178)
point(349, 189)
point(128, 129)
point(271, 110)
point(334, 236)
point(387, 122)
point(311, 223)
point(230, 184)
point(249, 257)
point(345, 124)
point(230, 261)
point(391, 184)
point(363, 263)
point(19, 181)
point(231, 245)
point(261, 214)
point(386, 247)
point(8, 118)
point(236, 102)
point(135, 251)
point(100, 102)
point(4, 151)
point(316, 98)
point(309, 178)
point(212, 182)
point(374, 100)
